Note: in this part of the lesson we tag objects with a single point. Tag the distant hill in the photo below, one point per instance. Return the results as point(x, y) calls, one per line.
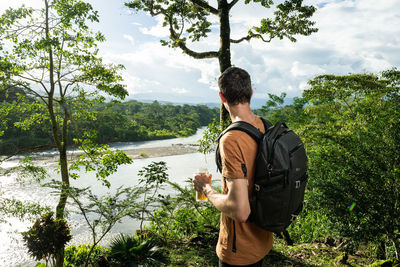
point(256, 103)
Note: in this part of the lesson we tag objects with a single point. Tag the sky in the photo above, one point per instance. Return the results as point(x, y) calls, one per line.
point(355, 36)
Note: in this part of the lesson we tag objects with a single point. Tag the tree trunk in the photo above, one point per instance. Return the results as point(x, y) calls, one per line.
point(396, 244)
point(224, 57)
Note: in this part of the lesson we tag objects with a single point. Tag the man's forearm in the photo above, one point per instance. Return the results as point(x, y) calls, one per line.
point(226, 204)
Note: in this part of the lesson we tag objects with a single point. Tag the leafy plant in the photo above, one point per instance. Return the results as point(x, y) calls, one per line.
point(152, 178)
point(353, 142)
point(77, 255)
point(46, 237)
point(180, 217)
point(102, 213)
point(208, 142)
point(132, 251)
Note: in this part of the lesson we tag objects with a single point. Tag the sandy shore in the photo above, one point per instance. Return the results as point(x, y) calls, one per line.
point(154, 152)
point(135, 153)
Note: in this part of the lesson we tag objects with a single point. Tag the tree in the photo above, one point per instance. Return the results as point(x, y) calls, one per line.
point(353, 139)
point(189, 21)
point(52, 55)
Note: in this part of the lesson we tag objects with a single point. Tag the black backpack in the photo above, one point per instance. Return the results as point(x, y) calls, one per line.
point(280, 177)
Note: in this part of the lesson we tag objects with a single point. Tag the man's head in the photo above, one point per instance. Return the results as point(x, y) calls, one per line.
point(235, 85)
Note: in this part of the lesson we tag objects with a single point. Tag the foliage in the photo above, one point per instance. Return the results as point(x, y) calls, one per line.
point(133, 251)
point(29, 170)
point(152, 178)
point(312, 224)
point(317, 253)
point(180, 218)
point(98, 158)
point(20, 209)
point(353, 142)
point(115, 122)
point(276, 110)
point(46, 237)
point(208, 142)
point(77, 255)
point(102, 213)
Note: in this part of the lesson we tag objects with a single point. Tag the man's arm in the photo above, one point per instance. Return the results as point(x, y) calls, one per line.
point(235, 204)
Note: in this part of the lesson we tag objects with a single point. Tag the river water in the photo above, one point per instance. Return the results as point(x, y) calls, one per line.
point(180, 167)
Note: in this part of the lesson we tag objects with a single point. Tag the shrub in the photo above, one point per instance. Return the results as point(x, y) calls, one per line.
point(47, 237)
point(132, 251)
point(77, 255)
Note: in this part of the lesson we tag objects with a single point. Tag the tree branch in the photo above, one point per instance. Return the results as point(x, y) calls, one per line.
point(248, 37)
point(197, 55)
point(231, 4)
point(34, 80)
point(204, 5)
point(34, 93)
point(181, 44)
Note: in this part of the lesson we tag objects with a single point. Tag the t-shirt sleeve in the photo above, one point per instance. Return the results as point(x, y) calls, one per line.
point(231, 157)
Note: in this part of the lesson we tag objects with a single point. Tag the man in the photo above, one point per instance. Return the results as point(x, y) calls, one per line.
point(240, 243)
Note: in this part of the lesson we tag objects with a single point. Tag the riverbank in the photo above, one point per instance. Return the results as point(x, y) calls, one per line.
point(155, 152)
point(135, 153)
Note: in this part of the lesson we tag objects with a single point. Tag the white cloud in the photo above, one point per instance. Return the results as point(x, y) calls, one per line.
point(18, 3)
point(180, 90)
point(129, 38)
point(157, 31)
point(138, 85)
point(306, 70)
point(136, 23)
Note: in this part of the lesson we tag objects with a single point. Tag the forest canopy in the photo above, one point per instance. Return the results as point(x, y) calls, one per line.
point(115, 122)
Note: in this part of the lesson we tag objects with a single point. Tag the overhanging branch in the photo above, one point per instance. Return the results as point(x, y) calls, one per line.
point(248, 37)
point(197, 55)
point(204, 5)
point(231, 4)
point(181, 44)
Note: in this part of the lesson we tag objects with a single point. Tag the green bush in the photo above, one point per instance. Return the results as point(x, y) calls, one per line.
point(310, 225)
point(132, 251)
point(77, 255)
point(47, 237)
point(181, 217)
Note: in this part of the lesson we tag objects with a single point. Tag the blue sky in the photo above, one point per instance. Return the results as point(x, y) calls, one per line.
point(354, 36)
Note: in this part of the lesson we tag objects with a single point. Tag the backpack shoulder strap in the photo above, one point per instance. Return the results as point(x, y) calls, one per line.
point(267, 124)
point(244, 127)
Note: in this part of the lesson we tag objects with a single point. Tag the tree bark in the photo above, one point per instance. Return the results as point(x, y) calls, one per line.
point(224, 57)
point(61, 144)
point(396, 247)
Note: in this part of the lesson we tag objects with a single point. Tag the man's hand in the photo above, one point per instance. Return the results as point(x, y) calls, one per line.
point(200, 181)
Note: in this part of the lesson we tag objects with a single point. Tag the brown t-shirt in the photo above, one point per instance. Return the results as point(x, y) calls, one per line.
point(252, 242)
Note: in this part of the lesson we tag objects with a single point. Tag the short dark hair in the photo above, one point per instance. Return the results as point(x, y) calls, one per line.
point(235, 84)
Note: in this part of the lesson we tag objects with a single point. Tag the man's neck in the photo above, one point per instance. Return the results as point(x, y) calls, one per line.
point(241, 112)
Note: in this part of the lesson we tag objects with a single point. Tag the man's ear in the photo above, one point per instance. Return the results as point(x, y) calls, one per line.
point(222, 97)
point(251, 92)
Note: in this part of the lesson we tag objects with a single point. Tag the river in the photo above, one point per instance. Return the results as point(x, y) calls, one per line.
point(180, 167)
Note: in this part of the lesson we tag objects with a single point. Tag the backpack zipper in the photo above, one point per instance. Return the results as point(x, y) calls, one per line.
point(291, 152)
